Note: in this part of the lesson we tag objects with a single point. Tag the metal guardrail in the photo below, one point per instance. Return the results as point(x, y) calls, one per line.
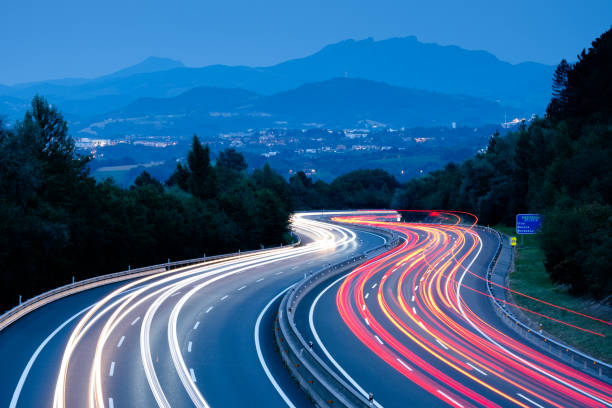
point(320, 382)
point(38, 301)
point(578, 359)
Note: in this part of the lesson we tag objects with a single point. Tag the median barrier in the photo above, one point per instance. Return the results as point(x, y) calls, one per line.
point(320, 382)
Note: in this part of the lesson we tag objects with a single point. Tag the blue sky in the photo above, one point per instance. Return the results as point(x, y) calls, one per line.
point(81, 38)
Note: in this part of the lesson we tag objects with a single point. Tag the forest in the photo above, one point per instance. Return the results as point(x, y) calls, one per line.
point(57, 222)
point(559, 165)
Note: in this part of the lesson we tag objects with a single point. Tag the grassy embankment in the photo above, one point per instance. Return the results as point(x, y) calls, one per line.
point(530, 277)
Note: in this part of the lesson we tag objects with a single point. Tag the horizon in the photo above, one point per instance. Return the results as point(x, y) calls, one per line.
point(161, 57)
point(88, 41)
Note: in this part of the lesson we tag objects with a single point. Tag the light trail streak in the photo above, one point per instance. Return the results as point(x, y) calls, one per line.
point(427, 322)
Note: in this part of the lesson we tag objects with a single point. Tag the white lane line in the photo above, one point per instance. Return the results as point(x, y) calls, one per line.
point(404, 364)
point(195, 326)
point(112, 369)
point(193, 377)
point(530, 400)
point(363, 307)
point(174, 294)
point(421, 279)
point(224, 297)
point(260, 354)
point(111, 403)
point(374, 285)
point(189, 347)
point(259, 280)
point(367, 294)
point(135, 321)
point(504, 349)
point(120, 341)
point(278, 273)
point(242, 287)
point(442, 344)
point(367, 321)
point(209, 309)
point(294, 268)
point(413, 298)
point(414, 310)
point(324, 349)
point(450, 399)
point(416, 288)
point(477, 369)
point(378, 339)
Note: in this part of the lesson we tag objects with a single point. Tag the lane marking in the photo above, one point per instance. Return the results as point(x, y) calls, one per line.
point(193, 377)
point(324, 349)
point(112, 369)
point(414, 310)
point(450, 399)
point(224, 297)
point(416, 288)
point(189, 347)
point(209, 309)
point(413, 298)
point(367, 294)
point(260, 354)
point(278, 273)
point(174, 294)
point(195, 326)
point(363, 307)
point(120, 341)
point(442, 344)
point(530, 400)
point(379, 340)
point(367, 321)
point(294, 268)
point(242, 287)
point(404, 364)
point(374, 285)
point(135, 321)
point(259, 280)
point(111, 403)
point(477, 369)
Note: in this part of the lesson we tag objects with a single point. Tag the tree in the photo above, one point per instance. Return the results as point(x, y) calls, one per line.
point(202, 178)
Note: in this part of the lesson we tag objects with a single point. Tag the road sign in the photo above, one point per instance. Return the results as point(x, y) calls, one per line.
point(513, 241)
point(528, 223)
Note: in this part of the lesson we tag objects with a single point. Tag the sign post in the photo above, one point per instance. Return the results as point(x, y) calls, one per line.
point(527, 224)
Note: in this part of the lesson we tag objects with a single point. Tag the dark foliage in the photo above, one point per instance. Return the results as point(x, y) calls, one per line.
point(58, 222)
point(560, 165)
point(357, 189)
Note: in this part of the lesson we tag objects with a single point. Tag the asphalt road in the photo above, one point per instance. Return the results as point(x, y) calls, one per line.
point(198, 336)
point(417, 329)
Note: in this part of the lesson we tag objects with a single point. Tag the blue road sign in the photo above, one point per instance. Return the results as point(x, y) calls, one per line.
point(528, 223)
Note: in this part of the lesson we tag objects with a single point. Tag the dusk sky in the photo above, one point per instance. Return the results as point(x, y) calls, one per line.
point(75, 38)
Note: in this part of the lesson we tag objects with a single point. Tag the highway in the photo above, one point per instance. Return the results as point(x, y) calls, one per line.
point(425, 332)
point(413, 326)
point(198, 336)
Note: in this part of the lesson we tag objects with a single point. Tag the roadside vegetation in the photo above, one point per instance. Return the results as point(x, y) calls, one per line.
point(57, 222)
point(560, 165)
point(530, 277)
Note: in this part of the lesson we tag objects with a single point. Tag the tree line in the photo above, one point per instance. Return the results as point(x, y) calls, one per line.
point(560, 165)
point(58, 222)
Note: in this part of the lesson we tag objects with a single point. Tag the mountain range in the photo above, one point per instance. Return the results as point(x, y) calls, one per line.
point(394, 81)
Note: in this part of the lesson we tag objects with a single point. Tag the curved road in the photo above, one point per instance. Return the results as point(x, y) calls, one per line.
point(196, 336)
point(416, 328)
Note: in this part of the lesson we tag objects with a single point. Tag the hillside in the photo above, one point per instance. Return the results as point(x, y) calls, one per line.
point(402, 62)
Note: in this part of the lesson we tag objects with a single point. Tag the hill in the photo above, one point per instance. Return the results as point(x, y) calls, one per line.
point(404, 62)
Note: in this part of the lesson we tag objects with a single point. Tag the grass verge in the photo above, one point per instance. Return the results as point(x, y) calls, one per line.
point(530, 277)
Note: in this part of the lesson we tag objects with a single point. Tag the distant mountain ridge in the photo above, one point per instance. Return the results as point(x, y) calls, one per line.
point(337, 103)
point(403, 62)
